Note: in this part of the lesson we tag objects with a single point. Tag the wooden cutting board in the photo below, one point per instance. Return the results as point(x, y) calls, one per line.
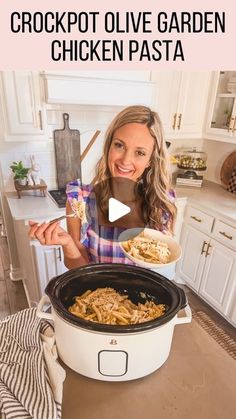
point(67, 152)
point(227, 168)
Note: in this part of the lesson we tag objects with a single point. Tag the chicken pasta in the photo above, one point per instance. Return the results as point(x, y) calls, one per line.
point(147, 249)
point(106, 305)
point(80, 209)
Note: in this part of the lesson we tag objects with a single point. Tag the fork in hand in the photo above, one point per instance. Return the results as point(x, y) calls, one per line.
point(62, 218)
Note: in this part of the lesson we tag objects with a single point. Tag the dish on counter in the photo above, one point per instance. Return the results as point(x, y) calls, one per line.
point(149, 248)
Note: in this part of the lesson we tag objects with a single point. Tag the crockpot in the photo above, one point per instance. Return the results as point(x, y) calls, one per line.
point(114, 352)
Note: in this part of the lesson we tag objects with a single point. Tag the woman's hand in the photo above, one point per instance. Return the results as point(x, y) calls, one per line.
point(49, 234)
point(52, 234)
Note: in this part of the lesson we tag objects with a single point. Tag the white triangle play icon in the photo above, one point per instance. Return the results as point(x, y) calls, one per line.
point(116, 209)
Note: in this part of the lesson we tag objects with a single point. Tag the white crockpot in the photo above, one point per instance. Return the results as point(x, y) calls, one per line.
point(110, 352)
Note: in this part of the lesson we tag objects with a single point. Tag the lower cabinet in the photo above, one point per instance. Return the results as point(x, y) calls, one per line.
point(209, 268)
point(219, 276)
point(48, 263)
point(191, 265)
point(232, 310)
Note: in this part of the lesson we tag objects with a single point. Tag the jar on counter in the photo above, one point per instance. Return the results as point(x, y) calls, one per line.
point(192, 159)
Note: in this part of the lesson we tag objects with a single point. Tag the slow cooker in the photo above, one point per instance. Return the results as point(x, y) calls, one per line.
point(114, 352)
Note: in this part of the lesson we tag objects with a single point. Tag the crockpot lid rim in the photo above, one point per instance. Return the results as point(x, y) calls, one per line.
point(105, 328)
point(165, 283)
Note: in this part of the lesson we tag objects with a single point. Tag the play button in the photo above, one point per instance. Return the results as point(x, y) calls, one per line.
point(116, 209)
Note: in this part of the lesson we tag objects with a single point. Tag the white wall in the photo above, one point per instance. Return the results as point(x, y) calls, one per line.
point(87, 119)
point(216, 151)
point(216, 154)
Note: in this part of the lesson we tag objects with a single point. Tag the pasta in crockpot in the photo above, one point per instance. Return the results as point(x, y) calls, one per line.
point(106, 305)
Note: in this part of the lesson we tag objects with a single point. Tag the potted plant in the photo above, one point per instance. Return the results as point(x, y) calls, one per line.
point(20, 172)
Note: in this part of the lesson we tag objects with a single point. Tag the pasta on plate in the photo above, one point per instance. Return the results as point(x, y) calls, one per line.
point(106, 305)
point(147, 249)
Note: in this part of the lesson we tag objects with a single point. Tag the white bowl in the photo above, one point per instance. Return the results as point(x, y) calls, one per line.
point(174, 247)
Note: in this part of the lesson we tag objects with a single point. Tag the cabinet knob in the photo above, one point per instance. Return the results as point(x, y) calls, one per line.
point(179, 122)
point(226, 235)
point(59, 254)
point(195, 218)
point(232, 124)
point(203, 247)
point(208, 248)
point(40, 121)
point(174, 120)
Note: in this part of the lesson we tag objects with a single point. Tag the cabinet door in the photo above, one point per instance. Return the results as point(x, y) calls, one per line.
point(232, 311)
point(22, 106)
point(221, 119)
point(167, 94)
point(192, 104)
point(191, 265)
point(48, 261)
point(219, 276)
point(181, 101)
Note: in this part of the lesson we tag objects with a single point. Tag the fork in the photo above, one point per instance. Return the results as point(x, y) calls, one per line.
point(62, 218)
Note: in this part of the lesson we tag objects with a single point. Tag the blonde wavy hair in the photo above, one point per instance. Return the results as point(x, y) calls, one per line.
point(155, 183)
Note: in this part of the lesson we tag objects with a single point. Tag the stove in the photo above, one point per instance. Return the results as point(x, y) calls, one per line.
point(59, 197)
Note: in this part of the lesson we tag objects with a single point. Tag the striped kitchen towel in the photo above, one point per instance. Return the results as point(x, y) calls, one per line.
point(31, 379)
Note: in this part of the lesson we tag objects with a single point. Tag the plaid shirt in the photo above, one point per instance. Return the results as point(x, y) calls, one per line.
point(101, 241)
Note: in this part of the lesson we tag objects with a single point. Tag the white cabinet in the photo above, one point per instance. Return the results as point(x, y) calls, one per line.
point(221, 118)
point(23, 113)
point(208, 266)
point(137, 75)
point(191, 266)
point(181, 102)
point(219, 276)
point(232, 310)
point(49, 263)
point(74, 89)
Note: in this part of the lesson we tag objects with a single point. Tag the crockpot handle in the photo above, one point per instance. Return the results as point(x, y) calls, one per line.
point(39, 312)
point(185, 319)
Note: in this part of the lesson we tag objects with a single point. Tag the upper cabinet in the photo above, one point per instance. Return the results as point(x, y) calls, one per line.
point(98, 88)
point(22, 107)
point(181, 99)
point(221, 117)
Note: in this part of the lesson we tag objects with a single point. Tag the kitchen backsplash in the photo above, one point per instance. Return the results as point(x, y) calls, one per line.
point(88, 119)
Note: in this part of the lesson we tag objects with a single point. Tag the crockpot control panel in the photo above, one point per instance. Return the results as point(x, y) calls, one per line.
point(112, 363)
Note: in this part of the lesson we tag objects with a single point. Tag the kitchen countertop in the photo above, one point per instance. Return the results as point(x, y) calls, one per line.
point(32, 207)
point(211, 196)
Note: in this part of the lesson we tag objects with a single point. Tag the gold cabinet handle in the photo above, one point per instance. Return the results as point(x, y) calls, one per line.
point(196, 219)
point(203, 247)
point(174, 121)
point(226, 235)
point(231, 124)
point(40, 121)
point(179, 121)
point(207, 251)
point(234, 126)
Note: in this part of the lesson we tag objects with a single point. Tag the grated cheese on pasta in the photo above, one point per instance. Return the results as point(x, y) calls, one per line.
point(106, 305)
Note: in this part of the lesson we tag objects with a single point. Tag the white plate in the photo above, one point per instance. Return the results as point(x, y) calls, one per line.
point(152, 234)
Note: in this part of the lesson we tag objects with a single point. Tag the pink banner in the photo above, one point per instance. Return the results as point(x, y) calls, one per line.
point(118, 35)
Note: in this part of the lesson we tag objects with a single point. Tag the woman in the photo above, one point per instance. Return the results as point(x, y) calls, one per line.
point(134, 170)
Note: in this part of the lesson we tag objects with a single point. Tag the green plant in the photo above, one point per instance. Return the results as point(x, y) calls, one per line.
point(20, 172)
